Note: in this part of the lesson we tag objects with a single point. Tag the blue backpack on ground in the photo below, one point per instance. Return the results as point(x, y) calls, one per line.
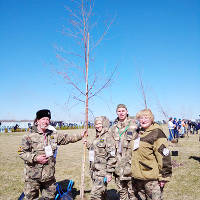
point(64, 189)
point(21, 196)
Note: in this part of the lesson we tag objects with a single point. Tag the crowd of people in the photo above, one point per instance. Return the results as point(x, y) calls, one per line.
point(182, 127)
point(133, 151)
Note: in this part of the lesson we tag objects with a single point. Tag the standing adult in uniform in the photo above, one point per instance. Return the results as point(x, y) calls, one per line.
point(98, 159)
point(151, 161)
point(38, 150)
point(119, 142)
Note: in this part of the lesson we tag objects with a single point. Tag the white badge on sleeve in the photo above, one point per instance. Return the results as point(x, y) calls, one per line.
point(91, 155)
point(166, 152)
point(48, 151)
point(136, 143)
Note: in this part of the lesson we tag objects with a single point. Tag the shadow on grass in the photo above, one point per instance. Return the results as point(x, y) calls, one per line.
point(195, 158)
point(76, 193)
point(111, 194)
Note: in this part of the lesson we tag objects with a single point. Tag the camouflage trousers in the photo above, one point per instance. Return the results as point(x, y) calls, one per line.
point(125, 189)
point(147, 190)
point(32, 188)
point(98, 189)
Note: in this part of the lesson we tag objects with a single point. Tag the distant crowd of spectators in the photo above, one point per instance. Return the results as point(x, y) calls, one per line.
point(178, 128)
point(60, 125)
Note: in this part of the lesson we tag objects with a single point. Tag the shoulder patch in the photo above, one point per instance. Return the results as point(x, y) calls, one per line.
point(163, 150)
point(129, 133)
point(166, 152)
point(102, 140)
point(19, 149)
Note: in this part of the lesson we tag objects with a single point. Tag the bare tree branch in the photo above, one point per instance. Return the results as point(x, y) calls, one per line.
point(91, 113)
point(104, 85)
point(103, 35)
point(76, 98)
point(71, 82)
point(142, 89)
point(93, 83)
point(160, 106)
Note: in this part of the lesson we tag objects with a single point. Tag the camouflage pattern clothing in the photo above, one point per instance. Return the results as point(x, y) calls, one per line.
point(125, 189)
point(98, 159)
point(151, 161)
point(32, 188)
point(147, 190)
point(41, 176)
point(119, 143)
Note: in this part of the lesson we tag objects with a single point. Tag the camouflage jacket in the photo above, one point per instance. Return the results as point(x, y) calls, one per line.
point(97, 150)
point(33, 144)
point(119, 142)
point(98, 155)
point(151, 160)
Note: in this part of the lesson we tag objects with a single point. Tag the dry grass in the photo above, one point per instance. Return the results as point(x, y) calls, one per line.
point(184, 184)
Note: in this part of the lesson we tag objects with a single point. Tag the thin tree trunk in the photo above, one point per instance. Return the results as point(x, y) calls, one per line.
point(86, 118)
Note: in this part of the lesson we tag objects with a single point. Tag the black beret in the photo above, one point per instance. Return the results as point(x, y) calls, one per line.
point(43, 113)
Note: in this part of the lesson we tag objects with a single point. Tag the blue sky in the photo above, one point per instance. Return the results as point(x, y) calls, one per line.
point(161, 39)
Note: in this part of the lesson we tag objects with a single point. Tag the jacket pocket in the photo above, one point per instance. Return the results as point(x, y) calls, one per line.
point(33, 171)
point(99, 167)
point(145, 166)
point(101, 144)
point(127, 169)
point(100, 149)
point(48, 170)
point(129, 135)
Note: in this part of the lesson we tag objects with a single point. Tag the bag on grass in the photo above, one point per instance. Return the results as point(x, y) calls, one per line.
point(21, 196)
point(64, 190)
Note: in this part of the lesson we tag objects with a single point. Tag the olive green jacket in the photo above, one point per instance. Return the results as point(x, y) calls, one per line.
point(152, 161)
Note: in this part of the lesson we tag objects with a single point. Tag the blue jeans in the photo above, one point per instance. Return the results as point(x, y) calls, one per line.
point(171, 134)
point(176, 133)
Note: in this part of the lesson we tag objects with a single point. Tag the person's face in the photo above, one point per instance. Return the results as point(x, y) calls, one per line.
point(99, 126)
point(43, 123)
point(122, 113)
point(145, 121)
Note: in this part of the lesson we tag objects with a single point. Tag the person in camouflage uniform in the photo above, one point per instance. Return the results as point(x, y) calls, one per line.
point(151, 162)
point(119, 142)
point(38, 150)
point(98, 159)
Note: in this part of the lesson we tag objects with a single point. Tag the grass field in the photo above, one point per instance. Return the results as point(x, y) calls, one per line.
point(184, 184)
